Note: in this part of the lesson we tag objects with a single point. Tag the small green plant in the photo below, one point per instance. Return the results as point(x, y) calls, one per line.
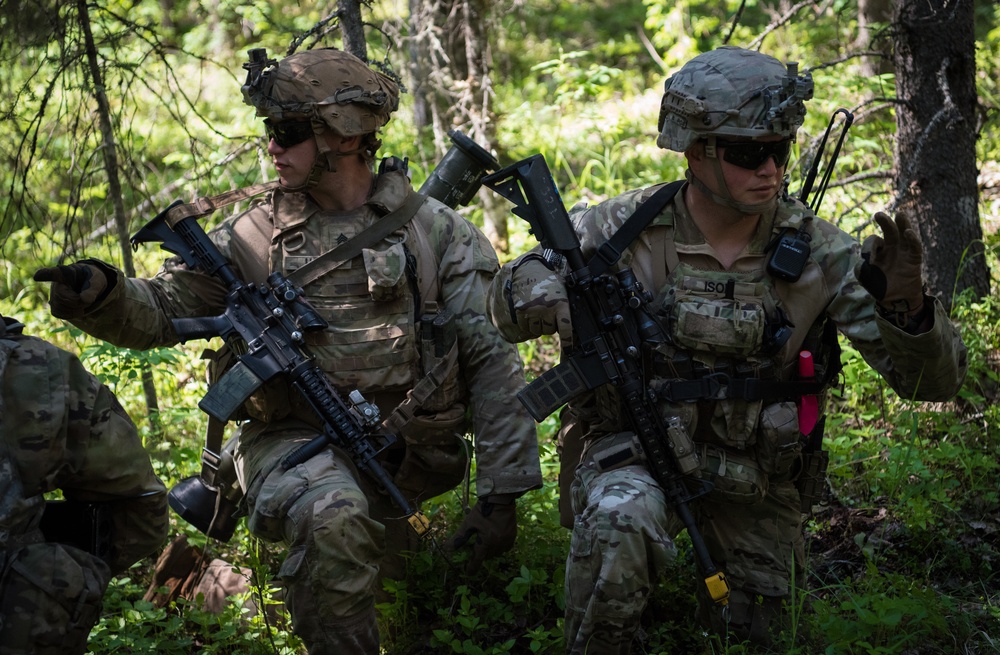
point(183, 627)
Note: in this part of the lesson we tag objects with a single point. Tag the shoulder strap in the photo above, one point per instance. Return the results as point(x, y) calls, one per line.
point(612, 249)
point(207, 204)
point(663, 241)
point(353, 246)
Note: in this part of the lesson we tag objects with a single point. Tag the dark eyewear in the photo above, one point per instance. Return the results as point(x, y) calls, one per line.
point(288, 133)
point(753, 154)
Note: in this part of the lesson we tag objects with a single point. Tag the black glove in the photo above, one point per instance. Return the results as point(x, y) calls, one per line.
point(890, 268)
point(490, 529)
point(76, 288)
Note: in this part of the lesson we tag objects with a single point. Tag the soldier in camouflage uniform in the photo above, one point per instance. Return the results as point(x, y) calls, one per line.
point(322, 109)
point(60, 428)
point(728, 370)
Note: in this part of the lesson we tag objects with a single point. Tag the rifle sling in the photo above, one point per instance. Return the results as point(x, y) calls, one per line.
point(351, 248)
point(211, 454)
point(612, 249)
point(207, 204)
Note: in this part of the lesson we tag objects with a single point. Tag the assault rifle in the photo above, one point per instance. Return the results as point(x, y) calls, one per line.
point(611, 328)
point(272, 320)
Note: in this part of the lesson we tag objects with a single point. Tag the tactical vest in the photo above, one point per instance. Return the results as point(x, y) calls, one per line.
point(725, 374)
point(375, 303)
point(387, 336)
point(371, 342)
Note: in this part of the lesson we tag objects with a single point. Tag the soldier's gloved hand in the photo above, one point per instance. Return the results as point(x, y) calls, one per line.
point(537, 300)
point(77, 287)
point(489, 529)
point(890, 266)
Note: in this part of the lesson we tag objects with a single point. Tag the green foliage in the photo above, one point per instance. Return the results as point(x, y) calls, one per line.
point(903, 556)
point(184, 627)
point(881, 614)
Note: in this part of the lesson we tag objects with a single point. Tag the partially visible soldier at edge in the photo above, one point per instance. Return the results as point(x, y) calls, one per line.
point(322, 109)
point(728, 312)
point(60, 428)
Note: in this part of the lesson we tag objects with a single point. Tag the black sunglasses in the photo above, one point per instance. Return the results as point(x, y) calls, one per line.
point(288, 133)
point(753, 154)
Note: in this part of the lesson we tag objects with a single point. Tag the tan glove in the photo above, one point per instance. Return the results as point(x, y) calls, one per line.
point(537, 300)
point(890, 267)
point(76, 288)
point(490, 529)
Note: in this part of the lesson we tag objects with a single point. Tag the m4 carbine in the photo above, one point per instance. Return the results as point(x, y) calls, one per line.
point(272, 319)
point(610, 330)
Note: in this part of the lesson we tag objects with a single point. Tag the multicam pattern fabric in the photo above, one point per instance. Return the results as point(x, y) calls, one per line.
point(623, 527)
point(732, 92)
point(60, 428)
point(371, 345)
point(299, 87)
point(535, 301)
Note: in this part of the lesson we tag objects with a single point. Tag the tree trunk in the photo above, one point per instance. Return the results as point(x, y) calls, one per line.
point(936, 156)
point(449, 65)
point(110, 155)
point(353, 28)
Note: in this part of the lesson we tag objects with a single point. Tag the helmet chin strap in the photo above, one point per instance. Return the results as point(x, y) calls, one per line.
point(726, 198)
point(325, 162)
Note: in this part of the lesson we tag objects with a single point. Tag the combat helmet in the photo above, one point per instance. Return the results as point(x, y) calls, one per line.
point(733, 93)
point(331, 88)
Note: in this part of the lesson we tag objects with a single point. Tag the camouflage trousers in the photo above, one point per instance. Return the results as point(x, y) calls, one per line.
point(50, 598)
point(623, 538)
point(336, 528)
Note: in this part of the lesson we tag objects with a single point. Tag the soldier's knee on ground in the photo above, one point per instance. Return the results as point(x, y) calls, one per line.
point(336, 546)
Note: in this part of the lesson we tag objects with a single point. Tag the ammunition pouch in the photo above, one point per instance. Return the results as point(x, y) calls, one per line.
point(811, 482)
point(437, 455)
point(779, 443)
point(718, 325)
point(439, 359)
point(736, 476)
point(52, 597)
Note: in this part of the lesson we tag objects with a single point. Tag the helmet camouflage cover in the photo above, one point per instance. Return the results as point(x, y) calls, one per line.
point(732, 92)
point(327, 85)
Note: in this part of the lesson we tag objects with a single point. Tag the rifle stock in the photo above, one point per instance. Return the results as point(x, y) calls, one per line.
point(271, 319)
point(611, 328)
